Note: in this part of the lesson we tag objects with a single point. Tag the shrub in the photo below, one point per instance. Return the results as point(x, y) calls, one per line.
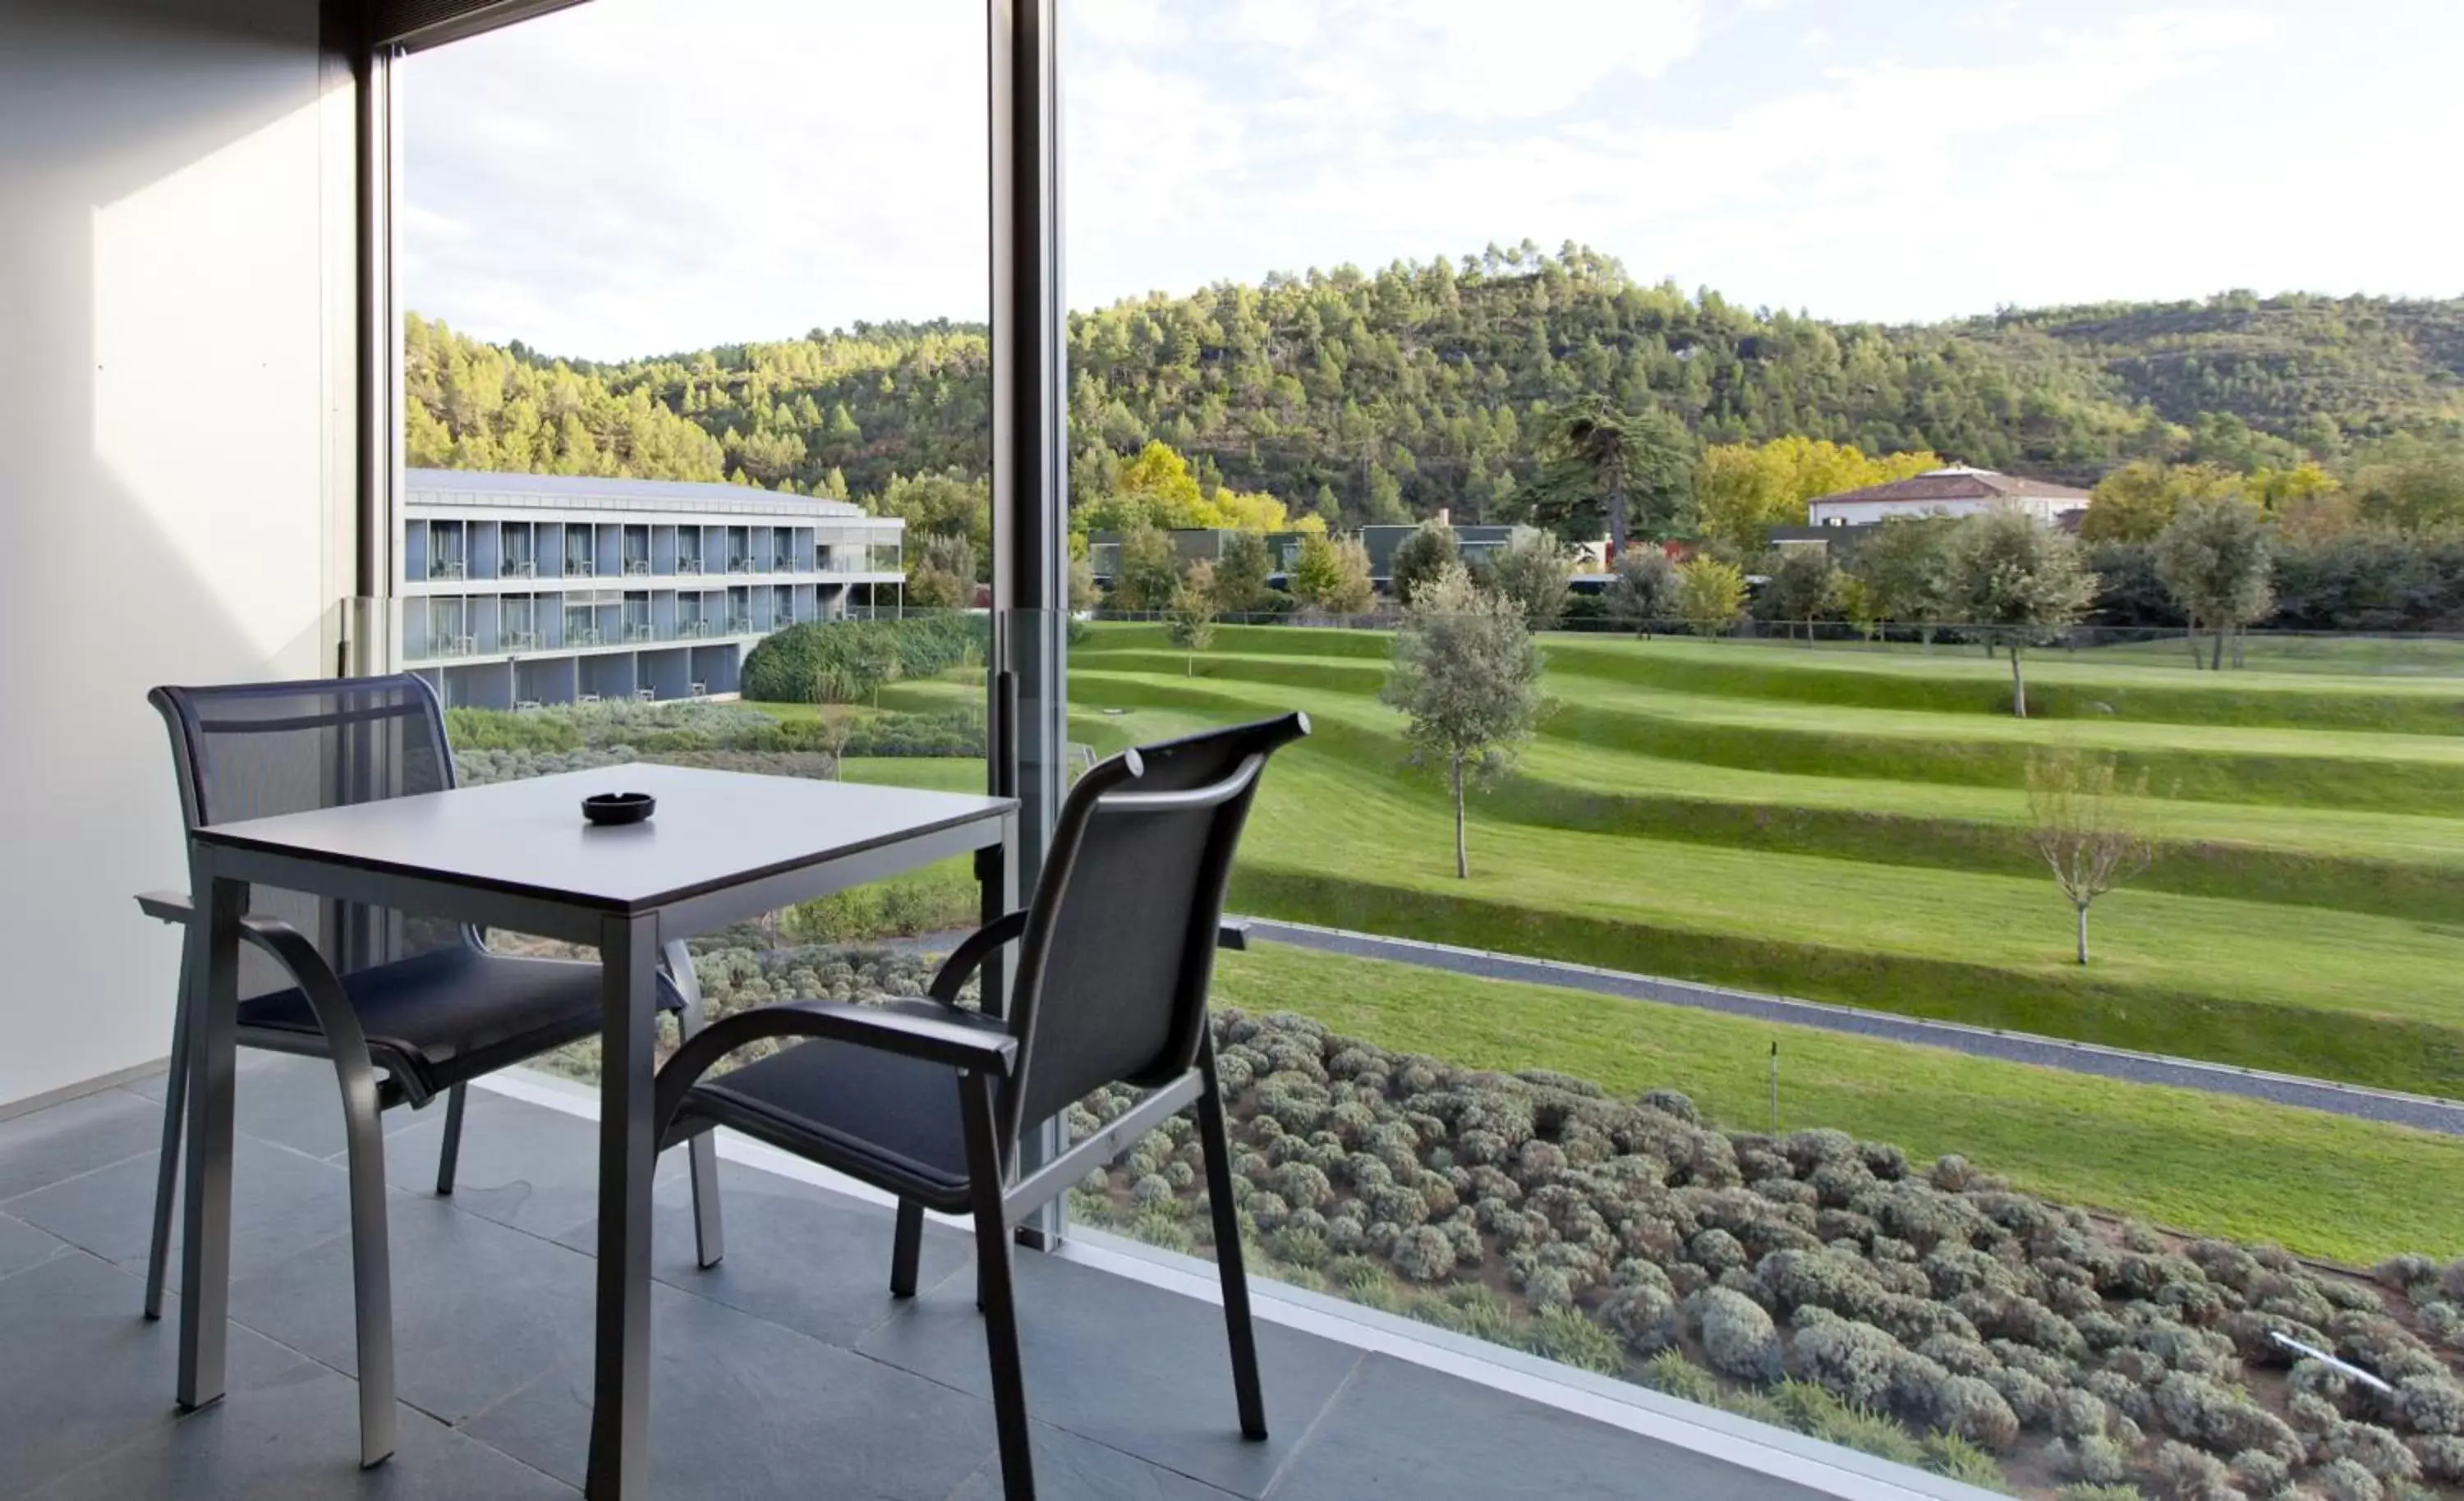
point(1852, 1361)
point(2431, 1404)
point(822, 660)
point(2185, 1474)
point(1565, 1334)
point(2099, 1494)
point(1424, 1254)
point(1669, 1372)
point(2344, 1480)
point(1738, 1337)
point(2198, 1409)
point(2374, 1448)
point(2092, 1458)
point(2442, 1457)
point(1975, 1410)
point(1644, 1316)
point(2261, 1474)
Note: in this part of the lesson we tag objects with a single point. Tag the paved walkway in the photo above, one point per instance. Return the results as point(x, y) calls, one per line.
point(2078, 1057)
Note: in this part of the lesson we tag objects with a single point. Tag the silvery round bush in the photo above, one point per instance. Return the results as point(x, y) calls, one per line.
point(2344, 1480)
point(1738, 1337)
point(1424, 1254)
point(2090, 1458)
point(1644, 1316)
point(1852, 1361)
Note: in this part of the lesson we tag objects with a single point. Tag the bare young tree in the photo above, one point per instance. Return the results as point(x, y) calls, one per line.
point(2082, 822)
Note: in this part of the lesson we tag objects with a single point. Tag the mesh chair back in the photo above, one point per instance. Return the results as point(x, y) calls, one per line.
point(1120, 938)
point(255, 750)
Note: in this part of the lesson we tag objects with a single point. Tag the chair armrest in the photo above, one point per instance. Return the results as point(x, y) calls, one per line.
point(1232, 935)
point(969, 956)
point(168, 906)
point(345, 1040)
point(956, 1040)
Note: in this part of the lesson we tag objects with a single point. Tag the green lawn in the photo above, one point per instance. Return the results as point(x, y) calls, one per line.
point(2319, 1184)
point(2312, 939)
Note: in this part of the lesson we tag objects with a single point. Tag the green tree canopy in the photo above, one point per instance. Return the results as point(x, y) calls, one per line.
point(2023, 579)
point(1420, 558)
point(1466, 675)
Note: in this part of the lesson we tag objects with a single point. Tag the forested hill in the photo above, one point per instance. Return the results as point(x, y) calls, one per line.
point(1374, 396)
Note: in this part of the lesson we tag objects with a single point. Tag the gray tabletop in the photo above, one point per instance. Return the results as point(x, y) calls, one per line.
point(712, 829)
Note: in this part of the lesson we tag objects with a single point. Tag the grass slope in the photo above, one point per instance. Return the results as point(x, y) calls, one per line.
point(2318, 1183)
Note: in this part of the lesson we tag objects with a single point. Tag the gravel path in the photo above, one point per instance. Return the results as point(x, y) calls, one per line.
point(2078, 1057)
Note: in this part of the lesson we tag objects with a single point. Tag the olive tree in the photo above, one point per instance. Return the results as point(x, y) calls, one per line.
point(1147, 572)
point(1644, 589)
point(1533, 572)
point(1709, 594)
point(1191, 612)
point(1904, 565)
point(2083, 823)
point(1466, 675)
point(2020, 579)
point(2214, 559)
point(1420, 558)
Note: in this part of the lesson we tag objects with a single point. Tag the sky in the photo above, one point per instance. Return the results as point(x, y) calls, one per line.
point(641, 177)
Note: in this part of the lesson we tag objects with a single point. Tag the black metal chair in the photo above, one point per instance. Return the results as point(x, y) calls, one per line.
point(405, 1009)
point(926, 1102)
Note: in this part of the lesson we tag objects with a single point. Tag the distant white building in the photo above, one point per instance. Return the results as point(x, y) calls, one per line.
point(1954, 491)
point(547, 589)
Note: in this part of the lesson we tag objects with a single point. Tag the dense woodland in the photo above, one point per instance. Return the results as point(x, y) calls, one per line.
point(1381, 396)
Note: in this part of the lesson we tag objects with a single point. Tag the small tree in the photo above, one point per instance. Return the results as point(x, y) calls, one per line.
point(1643, 590)
point(2214, 559)
point(1331, 575)
point(1148, 571)
point(1803, 586)
point(1420, 558)
point(1534, 572)
point(1193, 611)
point(1082, 585)
point(2020, 579)
point(1467, 674)
point(1709, 594)
point(1905, 566)
point(1240, 573)
point(2082, 822)
point(945, 576)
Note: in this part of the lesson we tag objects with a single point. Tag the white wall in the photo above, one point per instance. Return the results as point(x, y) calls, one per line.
point(1865, 512)
point(171, 297)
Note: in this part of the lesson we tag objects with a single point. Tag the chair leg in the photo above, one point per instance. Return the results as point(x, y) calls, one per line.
point(994, 1291)
point(448, 1156)
point(371, 1261)
point(701, 1153)
point(166, 1172)
point(1227, 1251)
point(906, 1249)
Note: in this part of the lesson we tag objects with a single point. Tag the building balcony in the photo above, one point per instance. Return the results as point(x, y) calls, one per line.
point(739, 565)
point(639, 631)
point(586, 636)
point(637, 568)
point(689, 565)
point(579, 568)
point(789, 1366)
point(521, 640)
point(518, 568)
point(446, 568)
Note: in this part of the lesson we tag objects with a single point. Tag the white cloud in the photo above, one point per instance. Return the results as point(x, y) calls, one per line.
point(631, 177)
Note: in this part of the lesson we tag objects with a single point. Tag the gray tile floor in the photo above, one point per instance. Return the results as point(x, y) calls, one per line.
point(787, 1371)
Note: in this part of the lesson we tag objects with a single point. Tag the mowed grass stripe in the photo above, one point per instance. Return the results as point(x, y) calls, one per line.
point(1955, 679)
point(2394, 773)
point(2322, 1185)
point(2359, 997)
point(1586, 788)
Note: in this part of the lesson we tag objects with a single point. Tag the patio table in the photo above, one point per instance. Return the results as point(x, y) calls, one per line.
point(723, 847)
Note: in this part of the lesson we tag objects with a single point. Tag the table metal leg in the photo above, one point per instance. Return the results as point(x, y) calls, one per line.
point(628, 955)
point(213, 1067)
